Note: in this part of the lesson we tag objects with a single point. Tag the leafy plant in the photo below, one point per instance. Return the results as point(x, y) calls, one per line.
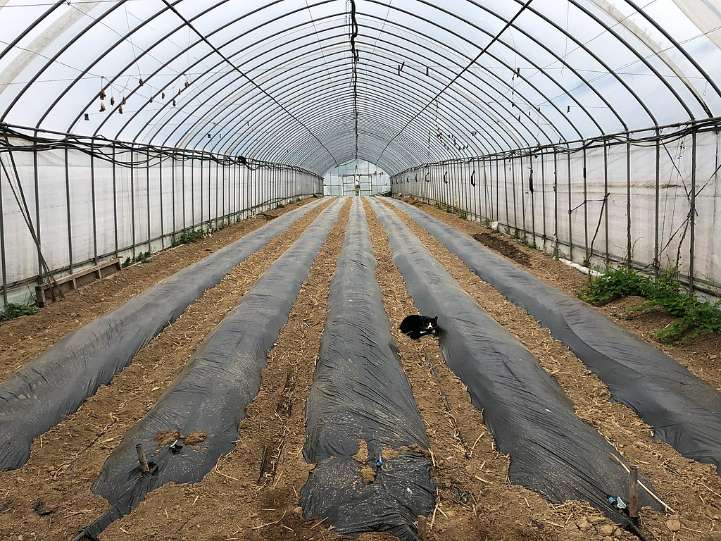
point(13, 311)
point(188, 236)
point(142, 257)
point(613, 284)
point(463, 215)
point(693, 316)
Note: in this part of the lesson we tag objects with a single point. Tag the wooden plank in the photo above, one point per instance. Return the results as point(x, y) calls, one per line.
point(48, 293)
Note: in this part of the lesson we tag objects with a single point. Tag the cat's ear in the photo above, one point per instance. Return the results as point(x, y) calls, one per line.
point(435, 319)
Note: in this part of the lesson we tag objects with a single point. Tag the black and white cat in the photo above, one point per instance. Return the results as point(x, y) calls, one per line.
point(416, 326)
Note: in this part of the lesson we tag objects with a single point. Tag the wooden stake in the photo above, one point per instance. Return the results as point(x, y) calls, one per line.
point(648, 490)
point(144, 467)
point(633, 492)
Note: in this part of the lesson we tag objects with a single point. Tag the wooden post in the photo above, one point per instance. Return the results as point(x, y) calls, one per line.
point(633, 493)
point(145, 468)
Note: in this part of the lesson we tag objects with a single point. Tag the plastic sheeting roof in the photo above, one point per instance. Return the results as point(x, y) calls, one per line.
point(432, 80)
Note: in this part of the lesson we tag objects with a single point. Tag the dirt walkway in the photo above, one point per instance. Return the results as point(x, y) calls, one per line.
point(25, 338)
point(702, 355)
point(253, 492)
point(66, 460)
point(476, 501)
point(693, 490)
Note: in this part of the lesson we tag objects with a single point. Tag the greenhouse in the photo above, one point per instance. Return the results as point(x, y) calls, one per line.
point(371, 269)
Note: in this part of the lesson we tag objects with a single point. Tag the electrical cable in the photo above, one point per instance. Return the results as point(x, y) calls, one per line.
point(354, 77)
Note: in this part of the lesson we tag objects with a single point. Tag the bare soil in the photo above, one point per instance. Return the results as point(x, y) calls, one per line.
point(253, 492)
point(496, 242)
point(66, 460)
point(475, 498)
point(24, 338)
point(691, 489)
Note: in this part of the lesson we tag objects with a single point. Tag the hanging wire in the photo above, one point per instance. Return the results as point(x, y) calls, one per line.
point(495, 38)
point(217, 51)
point(20, 200)
point(354, 77)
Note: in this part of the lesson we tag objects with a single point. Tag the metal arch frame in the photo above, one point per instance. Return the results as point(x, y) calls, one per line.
point(405, 149)
point(205, 11)
point(682, 49)
point(469, 111)
point(182, 51)
point(211, 69)
point(59, 53)
point(310, 44)
point(372, 89)
point(297, 145)
point(364, 146)
point(331, 120)
point(83, 73)
point(250, 79)
point(370, 147)
point(298, 148)
point(593, 55)
point(32, 26)
point(219, 80)
point(395, 161)
point(321, 68)
point(557, 57)
point(515, 51)
point(531, 85)
point(134, 30)
point(495, 120)
point(248, 105)
point(260, 141)
point(640, 57)
point(503, 117)
point(557, 84)
point(304, 150)
point(589, 52)
point(368, 142)
point(595, 18)
point(458, 76)
point(500, 116)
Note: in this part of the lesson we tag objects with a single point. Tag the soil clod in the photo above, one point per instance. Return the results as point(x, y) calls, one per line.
point(499, 244)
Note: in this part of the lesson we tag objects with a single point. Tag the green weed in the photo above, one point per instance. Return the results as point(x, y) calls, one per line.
point(188, 236)
point(13, 311)
point(693, 316)
point(142, 257)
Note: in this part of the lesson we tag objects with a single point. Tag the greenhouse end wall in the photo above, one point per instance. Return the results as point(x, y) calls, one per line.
point(86, 207)
point(599, 203)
